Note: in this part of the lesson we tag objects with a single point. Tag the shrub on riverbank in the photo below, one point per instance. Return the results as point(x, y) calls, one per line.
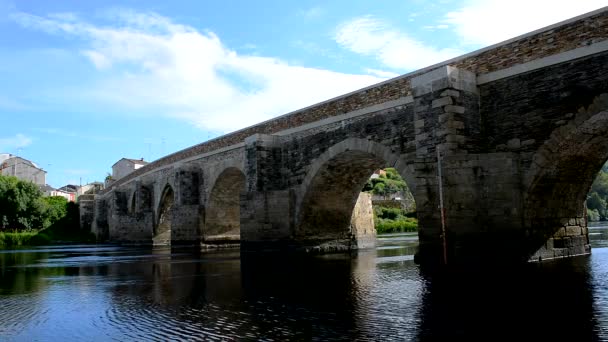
point(29, 238)
point(394, 220)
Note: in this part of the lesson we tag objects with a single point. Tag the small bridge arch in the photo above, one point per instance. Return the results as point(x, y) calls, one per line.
point(222, 219)
point(163, 227)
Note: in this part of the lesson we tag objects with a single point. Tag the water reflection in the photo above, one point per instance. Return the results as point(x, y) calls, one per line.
point(118, 293)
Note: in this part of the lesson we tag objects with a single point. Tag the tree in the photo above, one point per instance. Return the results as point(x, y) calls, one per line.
point(21, 206)
point(56, 208)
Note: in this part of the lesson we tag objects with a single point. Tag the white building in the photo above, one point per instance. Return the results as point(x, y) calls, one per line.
point(125, 166)
point(11, 165)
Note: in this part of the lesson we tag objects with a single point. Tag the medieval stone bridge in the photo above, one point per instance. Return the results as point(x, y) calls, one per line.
point(522, 128)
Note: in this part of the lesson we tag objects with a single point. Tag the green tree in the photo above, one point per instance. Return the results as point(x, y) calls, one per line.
point(388, 183)
point(56, 208)
point(21, 206)
point(600, 184)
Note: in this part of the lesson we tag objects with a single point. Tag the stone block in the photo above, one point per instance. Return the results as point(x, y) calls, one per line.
point(442, 101)
point(560, 233)
point(454, 109)
point(419, 123)
point(528, 142)
point(450, 92)
point(513, 144)
point(420, 137)
point(454, 138)
point(445, 117)
point(573, 230)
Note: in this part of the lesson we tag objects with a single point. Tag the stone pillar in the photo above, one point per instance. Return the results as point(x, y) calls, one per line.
point(185, 223)
point(481, 196)
point(86, 211)
point(267, 208)
point(362, 222)
point(443, 100)
point(99, 226)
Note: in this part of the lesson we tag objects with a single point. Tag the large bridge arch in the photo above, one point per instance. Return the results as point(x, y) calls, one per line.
point(164, 217)
point(333, 184)
point(560, 177)
point(222, 219)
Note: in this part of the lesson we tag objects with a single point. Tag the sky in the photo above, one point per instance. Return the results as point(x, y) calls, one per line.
point(86, 83)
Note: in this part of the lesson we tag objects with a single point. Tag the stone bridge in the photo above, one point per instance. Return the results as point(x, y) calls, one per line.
point(521, 127)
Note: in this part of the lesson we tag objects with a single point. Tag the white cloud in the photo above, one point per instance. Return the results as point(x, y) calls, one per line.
point(150, 64)
point(395, 49)
point(381, 73)
point(487, 22)
point(17, 141)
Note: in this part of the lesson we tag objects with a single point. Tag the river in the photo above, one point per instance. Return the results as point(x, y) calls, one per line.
point(110, 293)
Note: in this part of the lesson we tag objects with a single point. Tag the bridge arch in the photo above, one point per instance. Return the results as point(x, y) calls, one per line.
point(163, 227)
point(560, 177)
point(333, 184)
point(222, 210)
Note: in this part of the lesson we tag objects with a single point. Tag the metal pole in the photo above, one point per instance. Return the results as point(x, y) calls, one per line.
point(442, 209)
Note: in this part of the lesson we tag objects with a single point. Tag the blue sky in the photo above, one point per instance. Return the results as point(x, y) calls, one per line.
point(85, 83)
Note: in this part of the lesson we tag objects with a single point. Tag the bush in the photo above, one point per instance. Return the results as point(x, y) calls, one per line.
point(593, 215)
point(14, 239)
point(394, 220)
point(396, 226)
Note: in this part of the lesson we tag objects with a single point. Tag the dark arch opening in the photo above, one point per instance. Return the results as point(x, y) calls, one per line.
point(145, 199)
point(556, 217)
point(223, 211)
point(162, 232)
point(132, 203)
point(333, 209)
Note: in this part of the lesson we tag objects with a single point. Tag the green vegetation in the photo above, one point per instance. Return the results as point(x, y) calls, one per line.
point(598, 197)
point(386, 184)
point(394, 220)
point(391, 220)
point(28, 218)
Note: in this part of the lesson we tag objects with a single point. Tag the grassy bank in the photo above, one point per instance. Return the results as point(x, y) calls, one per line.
point(58, 233)
point(394, 220)
point(16, 239)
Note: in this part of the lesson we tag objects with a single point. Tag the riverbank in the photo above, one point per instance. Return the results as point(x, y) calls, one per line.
point(44, 237)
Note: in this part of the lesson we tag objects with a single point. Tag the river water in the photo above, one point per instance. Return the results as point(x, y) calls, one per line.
point(109, 293)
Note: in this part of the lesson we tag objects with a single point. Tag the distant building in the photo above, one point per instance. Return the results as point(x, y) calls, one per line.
point(69, 191)
point(90, 189)
point(11, 165)
point(48, 190)
point(125, 166)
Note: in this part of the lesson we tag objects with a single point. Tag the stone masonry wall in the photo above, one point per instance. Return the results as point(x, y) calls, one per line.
point(526, 108)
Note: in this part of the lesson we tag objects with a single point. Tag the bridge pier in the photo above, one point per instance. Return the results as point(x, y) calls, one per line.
point(483, 197)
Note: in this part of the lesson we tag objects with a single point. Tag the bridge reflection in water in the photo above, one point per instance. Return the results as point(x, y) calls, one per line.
point(107, 292)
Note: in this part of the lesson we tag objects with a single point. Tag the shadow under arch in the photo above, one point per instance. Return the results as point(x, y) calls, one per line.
point(223, 209)
point(162, 229)
point(331, 188)
point(132, 206)
point(559, 179)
